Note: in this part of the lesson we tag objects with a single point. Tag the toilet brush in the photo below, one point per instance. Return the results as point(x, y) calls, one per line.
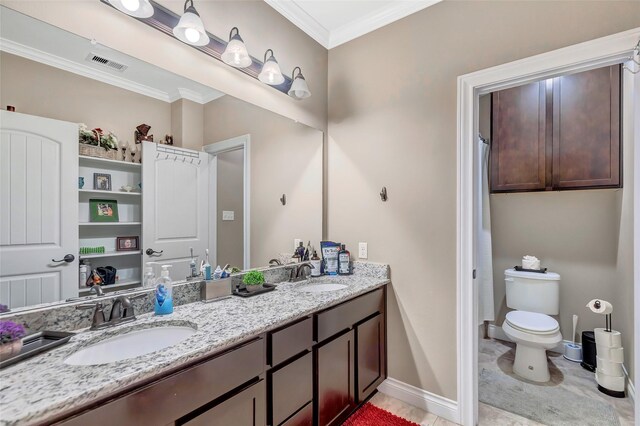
point(573, 351)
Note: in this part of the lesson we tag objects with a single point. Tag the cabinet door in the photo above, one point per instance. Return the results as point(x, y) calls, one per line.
point(290, 389)
point(519, 139)
point(586, 129)
point(335, 380)
point(370, 356)
point(248, 408)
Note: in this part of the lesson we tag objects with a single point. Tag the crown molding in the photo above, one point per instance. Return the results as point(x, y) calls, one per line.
point(36, 55)
point(354, 29)
point(379, 18)
point(301, 19)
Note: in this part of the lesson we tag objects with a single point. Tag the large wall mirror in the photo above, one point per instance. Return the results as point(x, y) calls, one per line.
point(238, 181)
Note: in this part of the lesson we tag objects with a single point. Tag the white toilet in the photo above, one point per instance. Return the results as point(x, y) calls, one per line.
point(535, 296)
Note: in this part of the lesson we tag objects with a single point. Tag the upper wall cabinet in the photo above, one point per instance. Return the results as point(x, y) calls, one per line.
point(557, 134)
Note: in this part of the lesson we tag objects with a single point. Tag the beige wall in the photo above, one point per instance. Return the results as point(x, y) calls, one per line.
point(286, 157)
point(187, 123)
point(38, 89)
point(230, 196)
point(392, 122)
point(261, 28)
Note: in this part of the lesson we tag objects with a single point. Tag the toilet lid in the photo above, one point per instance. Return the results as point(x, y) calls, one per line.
point(532, 321)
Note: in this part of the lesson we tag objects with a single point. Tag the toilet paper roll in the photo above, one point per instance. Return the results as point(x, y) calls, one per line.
point(612, 354)
point(609, 339)
point(610, 368)
point(613, 383)
point(600, 306)
point(530, 262)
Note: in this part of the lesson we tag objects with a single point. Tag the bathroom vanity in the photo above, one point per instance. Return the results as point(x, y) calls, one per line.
point(289, 357)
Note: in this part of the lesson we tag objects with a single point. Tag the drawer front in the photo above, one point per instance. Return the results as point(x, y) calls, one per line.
point(247, 408)
point(344, 316)
point(291, 388)
point(290, 341)
point(181, 393)
point(303, 417)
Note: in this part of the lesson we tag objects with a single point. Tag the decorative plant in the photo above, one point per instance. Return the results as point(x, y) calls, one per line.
point(252, 278)
point(97, 137)
point(10, 331)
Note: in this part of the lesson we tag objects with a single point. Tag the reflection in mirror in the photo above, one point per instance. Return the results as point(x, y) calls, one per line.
point(193, 168)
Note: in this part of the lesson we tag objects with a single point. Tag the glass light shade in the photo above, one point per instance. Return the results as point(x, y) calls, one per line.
point(299, 89)
point(135, 8)
point(271, 73)
point(235, 54)
point(190, 29)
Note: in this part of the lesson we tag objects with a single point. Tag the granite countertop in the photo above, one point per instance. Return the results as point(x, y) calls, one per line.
point(44, 386)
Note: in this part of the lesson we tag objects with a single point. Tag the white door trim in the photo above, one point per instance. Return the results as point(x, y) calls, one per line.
point(580, 57)
point(239, 142)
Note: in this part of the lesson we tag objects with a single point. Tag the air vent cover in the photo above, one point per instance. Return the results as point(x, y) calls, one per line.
point(97, 59)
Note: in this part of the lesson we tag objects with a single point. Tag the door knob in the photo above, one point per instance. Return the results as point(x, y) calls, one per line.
point(151, 252)
point(67, 258)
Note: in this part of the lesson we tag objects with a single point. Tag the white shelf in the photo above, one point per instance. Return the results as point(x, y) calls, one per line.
point(110, 223)
point(106, 288)
point(110, 254)
point(103, 192)
point(103, 162)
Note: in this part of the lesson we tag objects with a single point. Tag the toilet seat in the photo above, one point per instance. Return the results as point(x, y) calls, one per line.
point(532, 322)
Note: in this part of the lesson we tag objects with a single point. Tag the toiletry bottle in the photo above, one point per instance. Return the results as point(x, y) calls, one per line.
point(316, 264)
point(164, 293)
point(300, 252)
point(344, 259)
point(149, 276)
point(192, 265)
point(84, 273)
point(308, 251)
point(207, 266)
point(217, 274)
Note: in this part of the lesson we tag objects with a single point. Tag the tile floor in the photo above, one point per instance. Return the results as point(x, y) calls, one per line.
point(498, 356)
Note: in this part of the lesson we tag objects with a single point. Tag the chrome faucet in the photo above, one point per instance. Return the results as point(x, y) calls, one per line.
point(297, 272)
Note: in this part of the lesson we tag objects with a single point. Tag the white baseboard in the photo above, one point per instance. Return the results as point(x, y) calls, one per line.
point(427, 401)
point(496, 332)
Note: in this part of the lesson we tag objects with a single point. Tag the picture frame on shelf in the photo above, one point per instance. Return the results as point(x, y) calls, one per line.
point(128, 243)
point(102, 181)
point(103, 210)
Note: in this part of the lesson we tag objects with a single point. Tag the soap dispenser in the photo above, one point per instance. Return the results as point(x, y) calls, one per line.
point(164, 293)
point(149, 275)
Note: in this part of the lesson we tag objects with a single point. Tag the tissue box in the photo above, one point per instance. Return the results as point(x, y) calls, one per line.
point(530, 262)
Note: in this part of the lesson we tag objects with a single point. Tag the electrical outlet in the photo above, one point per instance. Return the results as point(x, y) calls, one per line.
point(363, 250)
point(296, 243)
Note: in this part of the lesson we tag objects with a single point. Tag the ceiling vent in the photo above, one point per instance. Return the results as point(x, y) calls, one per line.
point(97, 59)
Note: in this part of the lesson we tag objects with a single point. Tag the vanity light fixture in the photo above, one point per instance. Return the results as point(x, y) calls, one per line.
point(271, 73)
point(236, 54)
point(190, 28)
point(135, 8)
point(299, 89)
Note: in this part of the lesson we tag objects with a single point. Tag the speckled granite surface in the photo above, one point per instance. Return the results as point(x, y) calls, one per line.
point(44, 386)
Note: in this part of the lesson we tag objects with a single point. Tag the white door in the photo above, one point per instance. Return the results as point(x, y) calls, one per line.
point(175, 204)
point(38, 209)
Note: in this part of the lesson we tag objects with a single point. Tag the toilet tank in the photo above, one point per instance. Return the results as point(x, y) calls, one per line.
point(532, 291)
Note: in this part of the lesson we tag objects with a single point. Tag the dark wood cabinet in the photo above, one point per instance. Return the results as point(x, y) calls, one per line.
point(335, 379)
point(561, 133)
point(370, 356)
point(519, 140)
point(586, 129)
point(246, 408)
point(291, 389)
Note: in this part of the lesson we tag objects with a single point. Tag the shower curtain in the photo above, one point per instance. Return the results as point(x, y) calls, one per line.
point(484, 257)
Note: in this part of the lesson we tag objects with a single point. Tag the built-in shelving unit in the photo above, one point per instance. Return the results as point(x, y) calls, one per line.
point(104, 234)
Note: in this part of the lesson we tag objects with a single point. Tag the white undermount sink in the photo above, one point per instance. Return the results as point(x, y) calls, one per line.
point(130, 345)
point(321, 287)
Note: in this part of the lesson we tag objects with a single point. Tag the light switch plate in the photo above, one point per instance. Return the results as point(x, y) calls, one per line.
point(363, 250)
point(296, 243)
point(228, 215)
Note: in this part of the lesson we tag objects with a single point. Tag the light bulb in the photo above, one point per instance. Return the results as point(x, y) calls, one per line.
point(131, 5)
point(192, 35)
